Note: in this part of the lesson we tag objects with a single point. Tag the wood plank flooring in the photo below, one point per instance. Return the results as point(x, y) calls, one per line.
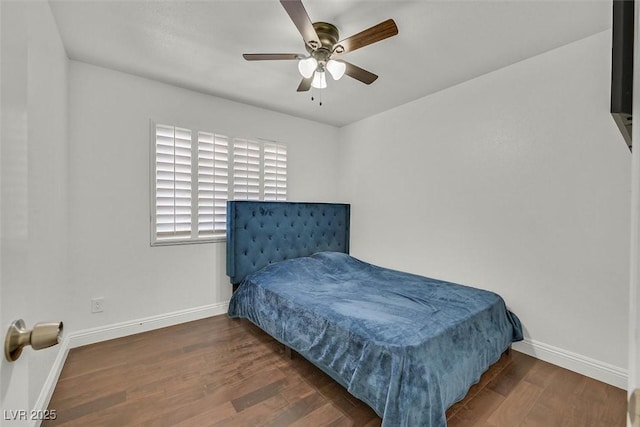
point(223, 372)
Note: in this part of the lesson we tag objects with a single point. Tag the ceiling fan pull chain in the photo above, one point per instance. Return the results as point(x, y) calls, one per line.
point(313, 98)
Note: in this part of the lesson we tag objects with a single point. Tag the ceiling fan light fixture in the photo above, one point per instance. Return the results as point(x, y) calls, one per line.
point(336, 68)
point(319, 80)
point(307, 66)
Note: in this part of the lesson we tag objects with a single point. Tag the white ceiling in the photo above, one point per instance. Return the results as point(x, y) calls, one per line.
point(199, 45)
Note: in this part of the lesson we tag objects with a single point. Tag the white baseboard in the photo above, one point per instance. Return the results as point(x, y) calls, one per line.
point(592, 368)
point(117, 330)
point(52, 379)
point(123, 329)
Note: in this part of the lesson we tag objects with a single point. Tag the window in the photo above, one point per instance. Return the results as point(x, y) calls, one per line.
point(194, 173)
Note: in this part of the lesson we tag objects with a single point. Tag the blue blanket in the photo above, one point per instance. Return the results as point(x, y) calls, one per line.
point(407, 345)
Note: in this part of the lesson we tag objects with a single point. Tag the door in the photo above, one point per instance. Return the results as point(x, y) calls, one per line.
point(634, 288)
point(14, 377)
point(634, 293)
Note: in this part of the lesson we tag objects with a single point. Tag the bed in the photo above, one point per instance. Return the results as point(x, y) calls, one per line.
point(408, 346)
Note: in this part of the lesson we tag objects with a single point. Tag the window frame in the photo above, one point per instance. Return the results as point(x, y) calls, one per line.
point(194, 238)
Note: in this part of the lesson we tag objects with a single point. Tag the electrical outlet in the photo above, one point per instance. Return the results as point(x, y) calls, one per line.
point(97, 305)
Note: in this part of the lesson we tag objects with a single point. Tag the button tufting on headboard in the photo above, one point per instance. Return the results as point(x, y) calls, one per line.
point(258, 235)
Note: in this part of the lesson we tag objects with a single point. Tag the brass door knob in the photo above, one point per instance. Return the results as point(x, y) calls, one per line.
point(42, 335)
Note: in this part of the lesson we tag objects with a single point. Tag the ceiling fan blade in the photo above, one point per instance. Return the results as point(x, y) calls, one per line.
point(305, 85)
point(269, 56)
point(300, 18)
point(358, 73)
point(369, 36)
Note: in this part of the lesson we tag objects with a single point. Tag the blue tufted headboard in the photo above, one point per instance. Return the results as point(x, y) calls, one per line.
point(260, 233)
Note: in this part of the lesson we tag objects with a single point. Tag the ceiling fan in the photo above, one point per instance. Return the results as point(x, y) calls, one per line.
point(325, 49)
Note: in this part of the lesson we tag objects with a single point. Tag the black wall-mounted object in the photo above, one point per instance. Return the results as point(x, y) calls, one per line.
point(622, 66)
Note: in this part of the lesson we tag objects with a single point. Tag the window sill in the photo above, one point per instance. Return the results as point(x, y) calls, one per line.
point(220, 239)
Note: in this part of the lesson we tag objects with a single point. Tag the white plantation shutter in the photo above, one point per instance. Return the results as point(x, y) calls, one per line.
point(275, 171)
point(221, 173)
point(246, 169)
point(213, 183)
point(205, 184)
point(172, 182)
point(195, 173)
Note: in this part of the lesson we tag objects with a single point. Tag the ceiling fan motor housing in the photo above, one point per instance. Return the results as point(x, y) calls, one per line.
point(328, 35)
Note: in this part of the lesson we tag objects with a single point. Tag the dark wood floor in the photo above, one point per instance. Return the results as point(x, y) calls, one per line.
point(223, 372)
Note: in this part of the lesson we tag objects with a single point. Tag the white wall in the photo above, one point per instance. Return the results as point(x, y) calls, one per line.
point(518, 182)
point(109, 192)
point(34, 189)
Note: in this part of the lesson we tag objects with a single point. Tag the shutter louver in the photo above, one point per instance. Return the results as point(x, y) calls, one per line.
point(173, 182)
point(275, 171)
point(246, 170)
